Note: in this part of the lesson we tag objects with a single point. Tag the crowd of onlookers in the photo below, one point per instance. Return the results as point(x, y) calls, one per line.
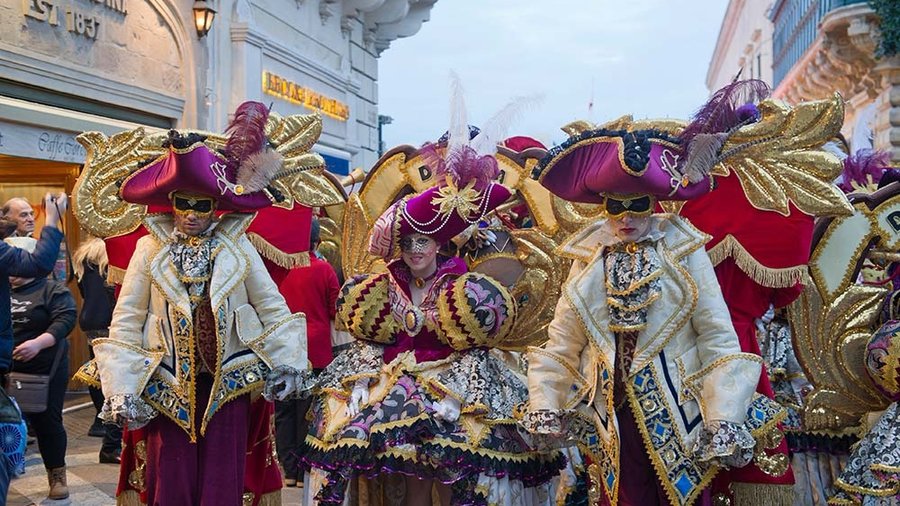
point(41, 313)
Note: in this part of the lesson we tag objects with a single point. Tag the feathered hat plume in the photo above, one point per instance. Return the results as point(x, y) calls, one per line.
point(470, 159)
point(251, 161)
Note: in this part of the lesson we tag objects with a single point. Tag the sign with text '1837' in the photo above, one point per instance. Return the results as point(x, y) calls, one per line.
point(75, 19)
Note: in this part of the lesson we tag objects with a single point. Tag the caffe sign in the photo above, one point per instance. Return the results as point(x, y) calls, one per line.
point(41, 143)
point(75, 19)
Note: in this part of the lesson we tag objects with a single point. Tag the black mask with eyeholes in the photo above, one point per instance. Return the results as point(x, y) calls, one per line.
point(201, 206)
point(641, 205)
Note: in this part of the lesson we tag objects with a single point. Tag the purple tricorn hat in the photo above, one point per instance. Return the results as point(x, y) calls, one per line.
point(629, 161)
point(621, 162)
point(196, 169)
point(237, 176)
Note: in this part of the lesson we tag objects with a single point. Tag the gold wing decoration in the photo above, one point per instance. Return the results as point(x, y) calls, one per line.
point(302, 176)
point(779, 158)
point(110, 160)
point(538, 288)
point(835, 316)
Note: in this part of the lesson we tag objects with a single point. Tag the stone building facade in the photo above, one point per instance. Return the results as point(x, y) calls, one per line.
point(67, 66)
point(817, 48)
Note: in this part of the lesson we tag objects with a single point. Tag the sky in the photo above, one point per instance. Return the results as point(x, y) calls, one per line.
point(647, 58)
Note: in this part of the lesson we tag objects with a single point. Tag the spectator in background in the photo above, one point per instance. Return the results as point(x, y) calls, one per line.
point(90, 263)
point(311, 290)
point(18, 262)
point(18, 210)
point(43, 315)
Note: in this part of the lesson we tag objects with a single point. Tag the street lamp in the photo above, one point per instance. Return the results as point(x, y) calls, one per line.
point(203, 18)
point(382, 120)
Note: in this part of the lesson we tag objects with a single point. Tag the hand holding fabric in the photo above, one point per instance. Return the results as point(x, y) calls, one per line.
point(359, 396)
point(447, 409)
point(285, 382)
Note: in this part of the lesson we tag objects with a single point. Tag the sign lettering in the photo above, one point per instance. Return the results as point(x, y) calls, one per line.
point(294, 93)
point(77, 20)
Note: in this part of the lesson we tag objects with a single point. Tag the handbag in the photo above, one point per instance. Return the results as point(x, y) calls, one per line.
point(31, 391)
point(13, 433)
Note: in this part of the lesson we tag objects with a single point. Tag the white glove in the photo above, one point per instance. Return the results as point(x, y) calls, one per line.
point(358, 397)
point(285, 387)
point(447, 409)
point(764, 320)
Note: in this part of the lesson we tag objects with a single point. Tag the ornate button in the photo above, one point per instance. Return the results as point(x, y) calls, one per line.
point(413, 320)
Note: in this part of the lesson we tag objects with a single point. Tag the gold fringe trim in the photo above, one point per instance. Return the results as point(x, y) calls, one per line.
point(129, 498)
point(115, 275)
point(280, 258)
point(754, 494)
point(769, 277)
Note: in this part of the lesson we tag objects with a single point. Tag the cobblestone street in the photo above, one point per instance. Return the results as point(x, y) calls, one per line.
point(90, 483)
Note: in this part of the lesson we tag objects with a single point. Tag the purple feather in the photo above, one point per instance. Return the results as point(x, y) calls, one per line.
point(246, 133)
point(463, 165)
point(727, 108)
point(863, 168)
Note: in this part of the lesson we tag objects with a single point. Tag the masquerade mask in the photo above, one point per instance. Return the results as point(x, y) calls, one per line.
point(200, 206)
point(415, 244)
point(638, 205)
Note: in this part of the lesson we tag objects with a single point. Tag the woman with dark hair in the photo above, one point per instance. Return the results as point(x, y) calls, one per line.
point(90, 264)
point(43, 314)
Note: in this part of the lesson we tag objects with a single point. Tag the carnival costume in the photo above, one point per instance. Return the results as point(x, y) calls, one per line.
point(643, 344)
point(414, 365)
point(199, 326)
point(871, 475)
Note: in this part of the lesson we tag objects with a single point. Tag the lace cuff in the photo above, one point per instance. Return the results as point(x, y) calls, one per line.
point(482, 383)
point(127, 409)
point(544, 421)
point(729, 444)
point(360, 360)
point(284, 382)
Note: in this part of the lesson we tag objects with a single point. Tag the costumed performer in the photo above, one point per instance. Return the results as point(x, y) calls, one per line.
point(642, 340)
point(419, 392)
point(199, 325)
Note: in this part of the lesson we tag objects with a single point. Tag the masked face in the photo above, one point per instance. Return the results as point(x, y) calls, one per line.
point(192, 214)
point(419, 252)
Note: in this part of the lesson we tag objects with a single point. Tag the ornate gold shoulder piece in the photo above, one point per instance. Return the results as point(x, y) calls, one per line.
point(835, 315)
point(779, 159)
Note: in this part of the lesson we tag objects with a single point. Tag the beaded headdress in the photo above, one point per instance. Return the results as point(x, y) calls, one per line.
point(465, 168)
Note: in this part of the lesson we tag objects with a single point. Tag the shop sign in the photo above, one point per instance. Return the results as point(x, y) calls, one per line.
point(280, 87)
point(45, 144)
point(75, 19)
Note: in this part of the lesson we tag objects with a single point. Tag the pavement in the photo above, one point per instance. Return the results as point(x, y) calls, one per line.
point(90, 483)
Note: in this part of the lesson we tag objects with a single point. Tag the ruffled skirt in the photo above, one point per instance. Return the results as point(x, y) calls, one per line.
point(872, 474)
point(485, 457)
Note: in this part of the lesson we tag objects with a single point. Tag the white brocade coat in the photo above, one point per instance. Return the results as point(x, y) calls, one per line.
point(688, 366)
point(151, 349)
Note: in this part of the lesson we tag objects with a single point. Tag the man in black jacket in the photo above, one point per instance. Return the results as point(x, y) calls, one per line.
point(17, 262)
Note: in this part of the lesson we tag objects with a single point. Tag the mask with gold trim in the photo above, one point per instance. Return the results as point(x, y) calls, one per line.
point(184, 204)
point(617, 206)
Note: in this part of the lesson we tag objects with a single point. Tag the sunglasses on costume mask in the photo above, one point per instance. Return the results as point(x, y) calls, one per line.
point(414, 244)
point(636, 206)
point(201, 206)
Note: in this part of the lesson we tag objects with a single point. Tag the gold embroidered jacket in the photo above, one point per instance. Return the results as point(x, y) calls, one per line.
point(151, 348)
point(688, 367)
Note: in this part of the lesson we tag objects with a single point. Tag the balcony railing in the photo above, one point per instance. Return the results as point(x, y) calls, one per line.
point(796, 28)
